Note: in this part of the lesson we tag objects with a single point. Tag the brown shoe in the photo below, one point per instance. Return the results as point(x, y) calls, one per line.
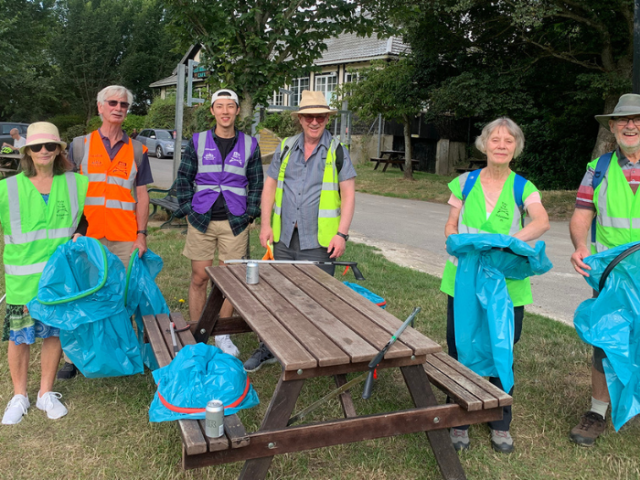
point(591, 426)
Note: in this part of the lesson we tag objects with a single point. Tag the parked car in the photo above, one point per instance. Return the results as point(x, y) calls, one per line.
point(159, 141)
point(6, 127)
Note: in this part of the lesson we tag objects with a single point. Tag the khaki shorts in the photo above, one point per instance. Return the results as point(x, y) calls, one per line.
point(202, 246)
point(122, 250)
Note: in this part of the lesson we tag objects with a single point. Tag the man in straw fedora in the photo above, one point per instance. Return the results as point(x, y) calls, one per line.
point(607, 191)
point(310, 189)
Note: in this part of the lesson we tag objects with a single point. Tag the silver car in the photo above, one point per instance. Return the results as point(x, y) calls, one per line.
point(159, 141)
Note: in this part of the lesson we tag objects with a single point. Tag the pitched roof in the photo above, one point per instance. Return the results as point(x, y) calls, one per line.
point(349, 48)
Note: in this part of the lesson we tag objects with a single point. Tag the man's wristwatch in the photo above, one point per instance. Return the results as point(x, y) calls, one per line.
point(346, 237)
point(144, 232)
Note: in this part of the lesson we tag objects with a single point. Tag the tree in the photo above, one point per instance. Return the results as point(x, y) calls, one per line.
point(255, 46)
point(388, 89)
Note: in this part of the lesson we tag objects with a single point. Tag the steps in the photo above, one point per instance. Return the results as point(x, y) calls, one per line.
point(268, 142)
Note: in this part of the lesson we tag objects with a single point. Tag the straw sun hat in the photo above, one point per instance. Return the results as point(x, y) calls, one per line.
point(313, 103)
point(42, 132)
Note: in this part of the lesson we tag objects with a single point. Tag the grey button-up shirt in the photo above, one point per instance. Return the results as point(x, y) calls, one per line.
point(302, 187)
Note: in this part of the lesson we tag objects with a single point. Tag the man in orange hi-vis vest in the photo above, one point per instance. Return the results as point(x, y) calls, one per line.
point(117, 202)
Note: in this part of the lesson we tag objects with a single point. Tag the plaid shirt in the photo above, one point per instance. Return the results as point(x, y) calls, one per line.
point(185, 185)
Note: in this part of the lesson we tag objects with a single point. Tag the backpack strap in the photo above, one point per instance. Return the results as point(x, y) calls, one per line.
point(137, 151)
point(601, 169)
point(469, 183)
point(339, 157)
point(518, 191)
point(78, 150)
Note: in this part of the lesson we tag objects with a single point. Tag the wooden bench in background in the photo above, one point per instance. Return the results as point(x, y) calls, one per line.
point(474, 164)
point(395, 161)
point(169, 203)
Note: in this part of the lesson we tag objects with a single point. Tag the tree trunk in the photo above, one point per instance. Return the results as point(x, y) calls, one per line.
point(408, 151)
point(246, 110)
point(605, 142)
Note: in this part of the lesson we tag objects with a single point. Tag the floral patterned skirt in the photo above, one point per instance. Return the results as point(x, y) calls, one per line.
point(20, 328)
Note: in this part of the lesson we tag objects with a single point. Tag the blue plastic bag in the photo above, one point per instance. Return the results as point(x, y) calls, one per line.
point(143, 297)
point(611, 322)
point(198, 374)
point(368, 294)
point(81, 292)
point(484, 322)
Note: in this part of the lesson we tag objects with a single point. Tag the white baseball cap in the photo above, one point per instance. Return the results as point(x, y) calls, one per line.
point(225, 93)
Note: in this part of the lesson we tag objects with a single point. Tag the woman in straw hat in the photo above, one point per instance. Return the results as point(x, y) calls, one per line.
point(40, 209)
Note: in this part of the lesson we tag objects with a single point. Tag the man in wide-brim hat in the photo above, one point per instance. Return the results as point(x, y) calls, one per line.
point(607, 193)
point(310, 189)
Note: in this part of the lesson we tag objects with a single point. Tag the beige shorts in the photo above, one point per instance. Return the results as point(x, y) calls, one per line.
point(122, 250)
point(202, 246)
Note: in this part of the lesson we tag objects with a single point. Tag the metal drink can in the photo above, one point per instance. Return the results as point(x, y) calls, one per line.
point(214, 419)
point(253, 276)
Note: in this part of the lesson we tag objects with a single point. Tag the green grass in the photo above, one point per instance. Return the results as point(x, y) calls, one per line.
point(107, 433)
point(433, 188)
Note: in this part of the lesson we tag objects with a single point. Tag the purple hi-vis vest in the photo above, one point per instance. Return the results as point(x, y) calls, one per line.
point(214, 178)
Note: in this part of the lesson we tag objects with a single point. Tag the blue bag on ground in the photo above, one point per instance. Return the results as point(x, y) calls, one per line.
point(368, 294)
point(81, 292)
point(484, 322)
point(198, 374)
point(143, 297)
point(612, 323)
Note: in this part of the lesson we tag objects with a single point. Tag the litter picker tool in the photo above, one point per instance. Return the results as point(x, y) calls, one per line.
point(352, 265)
point(172, 327)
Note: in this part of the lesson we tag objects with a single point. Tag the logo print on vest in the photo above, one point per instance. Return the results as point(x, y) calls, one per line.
point(61, 209)
point(208, 156)
point(235, 158)
point(503, 212)
point(121, 168)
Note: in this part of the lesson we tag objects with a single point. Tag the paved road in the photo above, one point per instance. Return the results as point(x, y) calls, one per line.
point(411, 233)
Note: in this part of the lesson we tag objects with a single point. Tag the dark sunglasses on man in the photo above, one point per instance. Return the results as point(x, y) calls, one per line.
point(51, 147)
point(114, 103)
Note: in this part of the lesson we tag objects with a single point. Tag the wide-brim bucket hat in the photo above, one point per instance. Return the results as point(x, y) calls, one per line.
point(43, 132)
point(313, 103)
point(628, 104)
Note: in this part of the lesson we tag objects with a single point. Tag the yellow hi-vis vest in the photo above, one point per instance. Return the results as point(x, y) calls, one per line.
point(329, 210)
point(33, 230)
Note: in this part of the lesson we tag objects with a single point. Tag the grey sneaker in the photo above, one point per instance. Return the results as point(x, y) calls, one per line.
point(262, 356)
point(501, 441)
point(459, 439)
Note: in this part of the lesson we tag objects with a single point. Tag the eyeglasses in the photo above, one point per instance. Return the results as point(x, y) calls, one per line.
point(318, 118)
point(114, 103)
point(51, 147)
point(622, 122)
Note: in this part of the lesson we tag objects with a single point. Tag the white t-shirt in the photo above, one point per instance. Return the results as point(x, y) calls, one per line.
point(21, 142)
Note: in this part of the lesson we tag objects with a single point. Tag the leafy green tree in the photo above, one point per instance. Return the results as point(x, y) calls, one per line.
point(388, 89)
point(254, 46)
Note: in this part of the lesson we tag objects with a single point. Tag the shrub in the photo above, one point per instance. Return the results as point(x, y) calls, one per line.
point(94, 124)
point(133, 121)
point(281, 123)
point(63, 122)
point(73, 132)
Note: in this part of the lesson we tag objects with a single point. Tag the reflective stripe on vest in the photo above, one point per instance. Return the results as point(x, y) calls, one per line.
point(329, 209)
point(618, 210)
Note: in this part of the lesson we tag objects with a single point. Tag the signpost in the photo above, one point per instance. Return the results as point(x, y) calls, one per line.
point(177, 142)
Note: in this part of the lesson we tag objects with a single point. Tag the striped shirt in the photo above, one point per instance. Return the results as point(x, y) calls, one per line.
point(585, 191)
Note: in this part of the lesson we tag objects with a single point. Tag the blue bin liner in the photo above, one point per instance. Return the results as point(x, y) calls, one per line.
point(368, 294)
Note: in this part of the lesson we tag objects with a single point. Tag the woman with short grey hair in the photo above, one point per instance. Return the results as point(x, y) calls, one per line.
point(484, 201)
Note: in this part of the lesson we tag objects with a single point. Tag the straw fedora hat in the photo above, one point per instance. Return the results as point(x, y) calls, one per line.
point(313, 103)
point(629, 104)
point(42, 132)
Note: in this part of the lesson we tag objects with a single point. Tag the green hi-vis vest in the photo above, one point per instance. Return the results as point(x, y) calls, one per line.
point(34, 229)
point(504, 219)
point(618, 209)
point(329, 210)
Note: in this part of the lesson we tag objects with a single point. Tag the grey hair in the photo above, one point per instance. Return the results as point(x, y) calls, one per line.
point(511, 126)
point(115, 90)
point(13, 131)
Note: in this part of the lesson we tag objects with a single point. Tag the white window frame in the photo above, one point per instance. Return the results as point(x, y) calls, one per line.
point(323, 82)
point(297, 86)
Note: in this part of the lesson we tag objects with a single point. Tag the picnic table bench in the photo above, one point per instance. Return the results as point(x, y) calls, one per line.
point(316, 326)
point(9, 163)
point(169, 203)
point(474, 164)
point(392, 157)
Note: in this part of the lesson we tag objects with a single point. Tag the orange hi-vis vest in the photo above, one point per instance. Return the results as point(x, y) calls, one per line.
point(110, 207)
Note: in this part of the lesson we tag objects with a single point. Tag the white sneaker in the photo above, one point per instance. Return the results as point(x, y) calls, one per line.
point(16, 409)
point(49, 403)
point(224, 343)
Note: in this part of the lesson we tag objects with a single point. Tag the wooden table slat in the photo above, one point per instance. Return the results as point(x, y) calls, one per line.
point(215, 444)
point(344, 342)
point(360, 324)
point(282, 344)
point(420, 344)
point(456, 391)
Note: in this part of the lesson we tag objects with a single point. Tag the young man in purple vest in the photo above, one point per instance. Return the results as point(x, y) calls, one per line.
point(219, 185)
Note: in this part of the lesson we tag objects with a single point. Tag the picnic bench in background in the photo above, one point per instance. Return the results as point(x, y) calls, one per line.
point(9, 163)
point(316, 326)
point(392, 157)
point(168, 203)
point(474, 164)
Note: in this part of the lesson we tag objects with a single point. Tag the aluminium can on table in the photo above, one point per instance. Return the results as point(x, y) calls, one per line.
point(253, 276)
point(214, 419)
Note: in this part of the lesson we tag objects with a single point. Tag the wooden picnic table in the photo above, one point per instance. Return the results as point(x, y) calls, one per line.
point(316, 326)
point(9, 163)
point(391, 157)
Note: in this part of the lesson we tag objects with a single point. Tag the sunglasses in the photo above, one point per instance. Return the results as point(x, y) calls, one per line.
point(114, 103)
point(319, 118)
point(51, 147)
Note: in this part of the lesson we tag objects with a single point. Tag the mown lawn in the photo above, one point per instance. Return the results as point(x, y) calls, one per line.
point(107, 433)
point(433, 188)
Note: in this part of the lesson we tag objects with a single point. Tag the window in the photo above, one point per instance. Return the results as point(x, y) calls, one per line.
point(351, 77)
point(327, 84)
point(278, 98)
point(297, 86)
